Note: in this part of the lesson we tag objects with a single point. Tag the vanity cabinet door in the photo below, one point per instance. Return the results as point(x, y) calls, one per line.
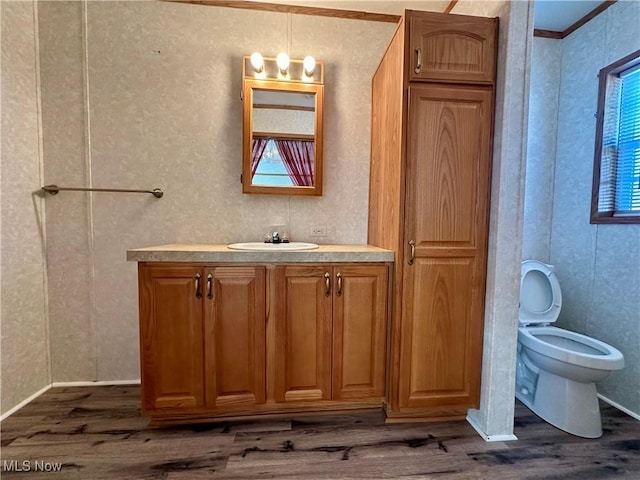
point(359, 331)
point(451, 48)
point(235, 339)
point(171, 337)
point(303, 333)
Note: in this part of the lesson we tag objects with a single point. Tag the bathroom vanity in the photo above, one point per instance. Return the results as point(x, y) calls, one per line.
point(227, 333)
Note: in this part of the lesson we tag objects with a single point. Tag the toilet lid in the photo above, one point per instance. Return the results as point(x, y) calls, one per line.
point(540, 295)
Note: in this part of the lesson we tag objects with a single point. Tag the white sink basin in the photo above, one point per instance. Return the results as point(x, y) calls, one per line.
point(273, 247)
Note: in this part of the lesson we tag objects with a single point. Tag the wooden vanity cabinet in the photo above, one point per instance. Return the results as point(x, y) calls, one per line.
point(236, 340)
point(331, 332)
point(429, 190)
point(202, 337)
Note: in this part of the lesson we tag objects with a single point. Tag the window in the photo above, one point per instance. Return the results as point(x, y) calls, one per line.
point(616, 175)
point(283, 161)
point(271, 170)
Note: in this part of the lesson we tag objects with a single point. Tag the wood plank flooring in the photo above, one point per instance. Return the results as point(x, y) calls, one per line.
point(98, 433)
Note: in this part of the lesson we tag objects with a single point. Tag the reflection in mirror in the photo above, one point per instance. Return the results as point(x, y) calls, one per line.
point(282, 140)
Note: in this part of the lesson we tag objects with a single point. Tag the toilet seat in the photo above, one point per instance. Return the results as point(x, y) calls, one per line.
point(571, 347)
point(540, 294)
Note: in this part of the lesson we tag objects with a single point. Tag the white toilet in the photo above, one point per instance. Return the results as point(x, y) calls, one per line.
point(557, 369)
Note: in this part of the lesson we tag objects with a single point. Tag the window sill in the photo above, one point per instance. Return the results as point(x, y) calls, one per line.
point(613, 219)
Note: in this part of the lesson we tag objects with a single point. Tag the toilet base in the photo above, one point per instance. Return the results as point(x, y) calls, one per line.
point(566, 404)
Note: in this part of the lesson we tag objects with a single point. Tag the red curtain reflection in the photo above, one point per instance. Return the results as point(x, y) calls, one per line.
point(298, 157)
point(257, 150)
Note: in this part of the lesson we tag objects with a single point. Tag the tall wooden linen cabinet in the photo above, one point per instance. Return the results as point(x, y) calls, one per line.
point(432, 129)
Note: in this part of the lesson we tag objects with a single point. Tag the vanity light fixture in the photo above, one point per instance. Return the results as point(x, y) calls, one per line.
point(282, 68)
point(309, 64)
point(283, 63)
point(257, 62)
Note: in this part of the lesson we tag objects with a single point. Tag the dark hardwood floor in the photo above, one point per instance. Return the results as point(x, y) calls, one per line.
point(98, 433)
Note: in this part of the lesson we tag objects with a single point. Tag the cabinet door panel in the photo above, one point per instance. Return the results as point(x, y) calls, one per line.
point(235, 336)
point(171, 338)
point(441, 351)
point(448, 144)
point(452, 48)
point(448, 174)
point(359, 332)
point(303, 332)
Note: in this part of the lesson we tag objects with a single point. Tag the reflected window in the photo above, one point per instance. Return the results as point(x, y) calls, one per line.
point(271, 169)
point(295, 155)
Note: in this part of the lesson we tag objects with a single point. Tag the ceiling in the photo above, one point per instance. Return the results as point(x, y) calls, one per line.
point(556, 15)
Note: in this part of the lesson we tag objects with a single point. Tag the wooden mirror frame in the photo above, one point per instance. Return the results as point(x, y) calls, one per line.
point(248, 87)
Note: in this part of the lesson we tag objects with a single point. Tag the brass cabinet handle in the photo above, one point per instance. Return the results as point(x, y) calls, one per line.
point(198, 292)
point(419, 61)
point(412, 255)
point(209, 289)
point(327, 284)
point(339, 291)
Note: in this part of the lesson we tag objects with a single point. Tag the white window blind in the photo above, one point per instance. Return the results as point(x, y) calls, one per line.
point(627, 193)
point(609, 160)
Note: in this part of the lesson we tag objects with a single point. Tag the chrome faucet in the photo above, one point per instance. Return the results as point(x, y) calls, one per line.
point(276, 236)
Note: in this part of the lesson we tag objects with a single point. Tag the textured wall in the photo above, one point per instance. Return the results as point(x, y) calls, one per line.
point(495, 415)
point(69, 256)
point(598, 265)
point(160, 107)
point(25, 364)
point(541, 147)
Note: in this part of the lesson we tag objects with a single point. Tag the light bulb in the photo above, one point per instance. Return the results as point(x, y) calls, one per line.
point(257, 62)
point(283, 62)
point(309, 64)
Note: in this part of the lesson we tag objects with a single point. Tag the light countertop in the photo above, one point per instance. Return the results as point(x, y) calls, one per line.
point(220, 253)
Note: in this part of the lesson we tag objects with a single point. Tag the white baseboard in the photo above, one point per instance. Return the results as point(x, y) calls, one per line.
point(96, 383)
point(490, 438)
point(619, 407)
point(66, 384)
point(24, 402)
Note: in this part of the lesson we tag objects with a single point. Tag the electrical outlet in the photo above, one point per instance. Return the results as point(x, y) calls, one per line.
point(319, 231)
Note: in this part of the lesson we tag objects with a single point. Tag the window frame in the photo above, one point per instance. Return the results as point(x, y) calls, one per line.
point(613, 69)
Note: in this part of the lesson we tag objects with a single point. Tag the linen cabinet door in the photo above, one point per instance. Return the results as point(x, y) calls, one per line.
point(451, 48)
point(303, 333)
point(359, 332)
point(446, 230)
point(171, 338)
point(235, 336)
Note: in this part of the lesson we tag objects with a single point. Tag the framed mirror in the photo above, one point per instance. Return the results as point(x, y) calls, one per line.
point(282, 134)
